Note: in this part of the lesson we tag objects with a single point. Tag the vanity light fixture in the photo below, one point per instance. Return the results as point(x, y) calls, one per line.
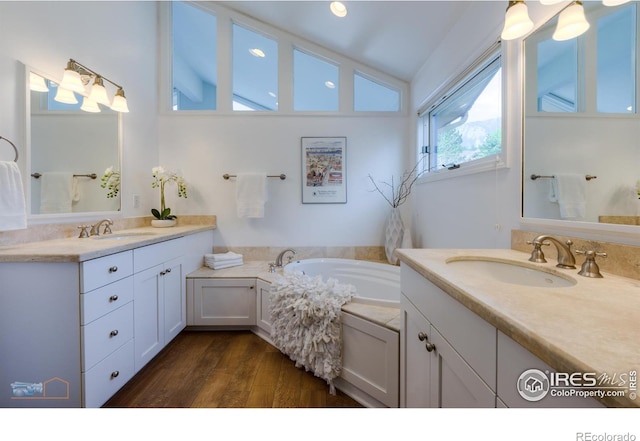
point(36, 83)
point(571, 22)
point(77, 76)
point(338, 9)
point(516, 22)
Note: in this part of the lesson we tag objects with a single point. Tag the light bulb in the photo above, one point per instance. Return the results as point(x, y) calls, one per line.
point(516, 22)
point(338, 9)
point(99, 93)
point(71, 79)
point(65, 96)
point(120, 102)
point(571, 22)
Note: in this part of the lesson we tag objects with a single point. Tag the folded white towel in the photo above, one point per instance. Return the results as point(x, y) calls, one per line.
point(251, 194)
point(221, 257)
point(569, 191)
point(226, 264)
point(56, 192)
point(13, 215)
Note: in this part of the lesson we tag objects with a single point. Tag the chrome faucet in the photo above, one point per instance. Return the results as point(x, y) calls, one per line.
point(281, 255)
point(95, 229)
point(565, 256)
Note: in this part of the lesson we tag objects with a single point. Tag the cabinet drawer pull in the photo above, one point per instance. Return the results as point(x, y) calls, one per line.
point(162, 273)
point(115, 374)
point(113, 298)
point(113, 269)
point(430, 347)
point(113, 333)
point(422, 336)
point(168, 270)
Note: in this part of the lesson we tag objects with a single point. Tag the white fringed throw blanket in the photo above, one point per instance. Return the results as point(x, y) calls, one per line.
point(306, 322)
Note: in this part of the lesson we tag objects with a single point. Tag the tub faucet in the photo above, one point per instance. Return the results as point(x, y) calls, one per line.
point(565, 256)
point(95, 229)
point(281, 255)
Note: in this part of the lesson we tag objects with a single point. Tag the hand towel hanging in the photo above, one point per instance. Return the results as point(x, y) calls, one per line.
point(251, 194)
point(13, 215)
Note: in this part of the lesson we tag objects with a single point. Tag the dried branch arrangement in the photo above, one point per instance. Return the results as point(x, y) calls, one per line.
point(400, 193)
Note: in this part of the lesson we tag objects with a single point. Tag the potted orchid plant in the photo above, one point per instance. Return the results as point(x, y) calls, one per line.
point(162, 177)
point(111, 181)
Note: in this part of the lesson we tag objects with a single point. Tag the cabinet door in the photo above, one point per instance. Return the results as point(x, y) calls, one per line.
point(453, 382)
point(175, 300)
point(263, 318)
point(415, 361)
point(148, 315)
point(224, 302)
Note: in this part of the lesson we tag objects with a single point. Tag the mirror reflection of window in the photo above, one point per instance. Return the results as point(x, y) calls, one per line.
point(558, 76)
point(616, 72)
point(194, 58)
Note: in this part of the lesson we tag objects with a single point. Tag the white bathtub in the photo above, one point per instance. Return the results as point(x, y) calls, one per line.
point(376, 283)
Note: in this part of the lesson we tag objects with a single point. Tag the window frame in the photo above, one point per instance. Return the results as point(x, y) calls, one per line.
point(467, 77)
point(286, 44)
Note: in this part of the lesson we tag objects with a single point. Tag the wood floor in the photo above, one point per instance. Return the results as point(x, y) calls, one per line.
point(225, 369)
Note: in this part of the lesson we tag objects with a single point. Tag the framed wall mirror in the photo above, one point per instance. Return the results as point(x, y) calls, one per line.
point(69, 151)
point(581, 121)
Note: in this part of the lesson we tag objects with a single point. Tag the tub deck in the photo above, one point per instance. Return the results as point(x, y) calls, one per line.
point(389, 317)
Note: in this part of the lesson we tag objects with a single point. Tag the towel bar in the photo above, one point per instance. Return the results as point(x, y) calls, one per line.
point(281, 176)
point(90, 175)
point(534, 177)
point(12, 145)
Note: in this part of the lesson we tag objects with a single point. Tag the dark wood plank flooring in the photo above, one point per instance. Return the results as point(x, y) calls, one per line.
point(230, 369)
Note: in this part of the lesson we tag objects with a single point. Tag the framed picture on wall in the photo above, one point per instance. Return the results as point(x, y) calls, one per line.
point(324, 170)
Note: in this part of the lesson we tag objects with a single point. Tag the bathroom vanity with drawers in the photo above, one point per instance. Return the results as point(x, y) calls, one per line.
point(80, 317)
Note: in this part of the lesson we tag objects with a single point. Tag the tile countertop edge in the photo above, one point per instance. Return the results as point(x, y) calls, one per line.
point(521, 332)
point(80, 250)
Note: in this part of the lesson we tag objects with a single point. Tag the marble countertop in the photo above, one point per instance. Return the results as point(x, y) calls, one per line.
point(593, 326)
point(78, 250)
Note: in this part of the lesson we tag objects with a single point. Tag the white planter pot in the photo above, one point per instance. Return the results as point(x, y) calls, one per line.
point(393, 235)
point(163, 223)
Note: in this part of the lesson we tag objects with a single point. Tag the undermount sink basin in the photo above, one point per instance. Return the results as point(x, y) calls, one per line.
point(506, 271)
point(121, 236)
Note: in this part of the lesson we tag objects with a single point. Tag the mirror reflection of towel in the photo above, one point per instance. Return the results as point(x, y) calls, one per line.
point(569, 191)
point(56, 192)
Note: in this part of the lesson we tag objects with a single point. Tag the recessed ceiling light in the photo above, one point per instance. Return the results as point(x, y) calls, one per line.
point(330, 84)
point(257, 52)
point(338, 9)
point(272, 94)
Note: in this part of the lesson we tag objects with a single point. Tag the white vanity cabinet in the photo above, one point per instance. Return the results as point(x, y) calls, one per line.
point(106, 326)
point(447, 353)
point(159, 298)
point(222, 302)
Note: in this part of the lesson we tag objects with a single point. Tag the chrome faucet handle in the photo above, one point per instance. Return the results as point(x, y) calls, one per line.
point(537, 255)
point(107, 228)
point(589, 267)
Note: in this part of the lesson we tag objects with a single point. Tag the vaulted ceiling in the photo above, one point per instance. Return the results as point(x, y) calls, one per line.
point(395, 37)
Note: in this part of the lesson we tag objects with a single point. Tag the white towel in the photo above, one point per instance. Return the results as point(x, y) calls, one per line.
point(569, 191)
point(75, 190)
point(56, 194)
point(222, 257)
point(251, 194)
point(222, 265)
point(13, 214)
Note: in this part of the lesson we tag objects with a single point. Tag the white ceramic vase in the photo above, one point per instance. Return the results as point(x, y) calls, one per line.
point(394, 233)
point(163, 223)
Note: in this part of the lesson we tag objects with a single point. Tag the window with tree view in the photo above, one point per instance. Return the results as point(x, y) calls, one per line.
point(465, 125)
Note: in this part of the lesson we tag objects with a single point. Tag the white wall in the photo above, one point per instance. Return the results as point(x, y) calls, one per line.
point(206, 147)
point(116, 39)
point(477, 210)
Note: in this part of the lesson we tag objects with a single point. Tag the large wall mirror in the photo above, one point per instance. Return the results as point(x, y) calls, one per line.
point(69, 151)
point(581, 121)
